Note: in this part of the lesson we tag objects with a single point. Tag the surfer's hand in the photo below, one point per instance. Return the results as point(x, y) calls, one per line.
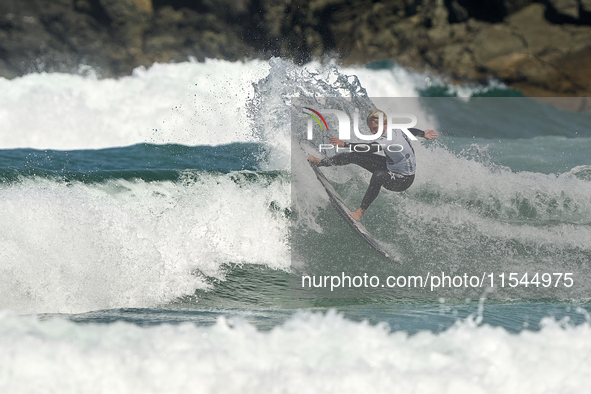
point(313, 159)
point(430, 134)
point(337, 142)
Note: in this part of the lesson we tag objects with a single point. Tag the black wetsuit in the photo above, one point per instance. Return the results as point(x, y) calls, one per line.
point(379, 165)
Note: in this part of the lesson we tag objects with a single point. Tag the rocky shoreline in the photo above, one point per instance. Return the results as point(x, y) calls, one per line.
point(542, 48)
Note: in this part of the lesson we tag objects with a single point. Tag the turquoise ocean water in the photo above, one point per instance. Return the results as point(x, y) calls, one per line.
point(148, 226)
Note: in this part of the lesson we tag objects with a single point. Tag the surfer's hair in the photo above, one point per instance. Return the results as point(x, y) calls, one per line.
point(375, 114)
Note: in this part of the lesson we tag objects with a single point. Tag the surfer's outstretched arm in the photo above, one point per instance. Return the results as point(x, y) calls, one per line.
point(427, 134)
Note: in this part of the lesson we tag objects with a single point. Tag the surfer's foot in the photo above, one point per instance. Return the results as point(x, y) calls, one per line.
point(357, 214)
point(313, 159)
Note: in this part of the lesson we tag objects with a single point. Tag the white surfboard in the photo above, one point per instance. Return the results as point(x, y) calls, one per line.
point(340, 206)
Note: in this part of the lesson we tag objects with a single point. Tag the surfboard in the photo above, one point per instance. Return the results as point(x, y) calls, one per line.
point(337, 202)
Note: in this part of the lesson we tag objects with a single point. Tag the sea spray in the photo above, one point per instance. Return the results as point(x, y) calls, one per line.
point(332, 352)
point(75, 247)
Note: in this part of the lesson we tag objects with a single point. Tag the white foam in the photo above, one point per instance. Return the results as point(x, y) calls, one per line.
point(559, 202)
point(132, 244)
point(188, 103)
point(394, 82)
point(398, 82)
point(309, 353)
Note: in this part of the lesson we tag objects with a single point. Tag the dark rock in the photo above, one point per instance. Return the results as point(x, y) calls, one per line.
point(552, 58)
point(484, 10)
point(563, 11)
point(177, 34)
point(495, 41)
point(540, 46)
point(457, 12)
point(129, 19)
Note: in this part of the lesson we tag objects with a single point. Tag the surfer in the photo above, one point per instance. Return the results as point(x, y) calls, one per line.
point(395, 171)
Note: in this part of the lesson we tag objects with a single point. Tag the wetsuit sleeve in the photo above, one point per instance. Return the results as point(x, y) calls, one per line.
point(417, 132)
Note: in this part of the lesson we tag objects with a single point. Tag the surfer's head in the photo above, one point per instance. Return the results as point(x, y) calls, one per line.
point(373, 120)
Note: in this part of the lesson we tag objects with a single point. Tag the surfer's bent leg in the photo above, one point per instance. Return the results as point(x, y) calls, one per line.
point(390, 180)
point(398, 182)
point(377, 166)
